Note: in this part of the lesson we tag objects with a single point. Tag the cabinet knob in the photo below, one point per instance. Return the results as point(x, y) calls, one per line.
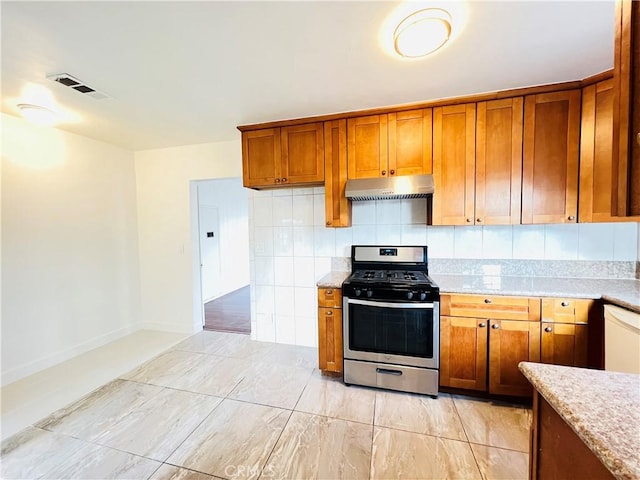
point(384, 172)
point(469, 220)
point(495, 326)
point(329, 312)
point(572, 217)
point(284, 180)
point(478, 220)
point(329, 292)
point(565, 304)
point(487, 300)
point(328, 222)
point(482, 324)
point(548, 329)
point(392, 172)
point(277, 180)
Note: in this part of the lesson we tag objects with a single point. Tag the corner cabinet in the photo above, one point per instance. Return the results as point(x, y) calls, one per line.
point(390, 144)
point(284, 156)
point(330, 346)
point(550, 157)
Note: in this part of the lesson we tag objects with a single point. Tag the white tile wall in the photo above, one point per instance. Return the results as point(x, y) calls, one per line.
point(291, 249)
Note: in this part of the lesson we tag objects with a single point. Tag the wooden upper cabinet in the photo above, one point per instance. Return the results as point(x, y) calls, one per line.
point(597, 196)
point(292, 155)
point(463, 352)
point(626, 109)
point(396, 143)
point(367, 146)
point(261, 157)
point(499, 162)
point(454, 164)
point(302, 153)
point(550, 157)
point(410, 142)
point(512, 342)
point(337, 206)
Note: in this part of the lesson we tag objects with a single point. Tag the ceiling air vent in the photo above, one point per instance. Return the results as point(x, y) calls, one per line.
point(78, 85)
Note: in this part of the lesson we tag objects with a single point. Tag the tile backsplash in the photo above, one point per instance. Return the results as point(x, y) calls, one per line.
point(290, 249)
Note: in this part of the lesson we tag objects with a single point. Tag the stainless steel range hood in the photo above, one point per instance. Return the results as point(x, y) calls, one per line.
point(410, 186)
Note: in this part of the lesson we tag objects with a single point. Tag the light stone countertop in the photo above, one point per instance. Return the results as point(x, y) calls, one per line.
point(602, 408)
point(333, 280)
point(622, 292)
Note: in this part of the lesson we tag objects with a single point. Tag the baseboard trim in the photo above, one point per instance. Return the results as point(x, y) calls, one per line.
point(169, 327)
point(34, 366)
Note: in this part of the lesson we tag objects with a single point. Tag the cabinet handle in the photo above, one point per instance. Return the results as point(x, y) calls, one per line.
point(384, 172)
point(487, 300)
point(572, 217)
point(469, 220)
point(277, 180)
point(284, 180)
point(495, 326)
point(392, 172)
point(482, 325)
point(479, 220)
point(548, 329)
point(329, 312)
point(565, 304)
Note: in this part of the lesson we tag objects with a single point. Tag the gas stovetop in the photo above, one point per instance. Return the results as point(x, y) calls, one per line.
point(390, 273)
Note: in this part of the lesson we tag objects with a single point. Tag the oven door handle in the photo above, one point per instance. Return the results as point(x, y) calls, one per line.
point(370, 303)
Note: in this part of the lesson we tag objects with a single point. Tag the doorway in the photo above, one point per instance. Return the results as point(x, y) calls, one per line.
point(223, 240)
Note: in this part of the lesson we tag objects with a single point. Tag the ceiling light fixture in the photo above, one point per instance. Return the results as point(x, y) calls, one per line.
point(422, 32)
point(37, 115)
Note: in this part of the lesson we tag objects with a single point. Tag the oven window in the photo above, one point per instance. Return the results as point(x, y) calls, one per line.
point(396, 331)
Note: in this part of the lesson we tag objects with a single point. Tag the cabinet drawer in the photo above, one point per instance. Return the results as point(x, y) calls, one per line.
point(566, 310)
point(330, 297)
point(490, 306)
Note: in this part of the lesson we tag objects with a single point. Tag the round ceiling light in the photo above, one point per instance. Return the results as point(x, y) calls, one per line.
point(37, 115)
point(422, 32)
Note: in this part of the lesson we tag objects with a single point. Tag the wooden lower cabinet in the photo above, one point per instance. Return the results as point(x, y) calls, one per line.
point(330, 330)
point(330, 339)
point(512, 342)
point(564, 344)
point(463, 353)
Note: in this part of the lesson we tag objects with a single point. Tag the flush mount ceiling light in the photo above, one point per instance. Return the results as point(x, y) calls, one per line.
point(422, 32)
point(37, 115)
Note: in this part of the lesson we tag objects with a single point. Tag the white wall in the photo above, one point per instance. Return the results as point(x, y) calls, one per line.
point(167, 212)
point(69, 246)
point(291, 249)
point(232, 201)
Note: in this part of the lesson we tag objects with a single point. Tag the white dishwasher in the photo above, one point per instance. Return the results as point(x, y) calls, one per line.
point(621, 340)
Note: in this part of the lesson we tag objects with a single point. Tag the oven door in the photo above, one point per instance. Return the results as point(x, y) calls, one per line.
point(390, 332)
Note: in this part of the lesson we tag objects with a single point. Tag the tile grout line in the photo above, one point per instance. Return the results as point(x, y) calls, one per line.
point(473, 454)
point(373, 431)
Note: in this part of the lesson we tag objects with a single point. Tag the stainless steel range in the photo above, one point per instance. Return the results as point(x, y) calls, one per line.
point(391, 320)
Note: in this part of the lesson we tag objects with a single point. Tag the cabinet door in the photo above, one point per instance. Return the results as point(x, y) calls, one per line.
point(512, 342)
point(330, 339)
point(367, 146)
point(410, 142)
point(303, 153)
point(550, 159)
point(454, 164)
point(261, 157)
point(463, 353)
point(564, 344)
point(626, 108)
point(337, 206)
point(499, 161)
point(596, 154)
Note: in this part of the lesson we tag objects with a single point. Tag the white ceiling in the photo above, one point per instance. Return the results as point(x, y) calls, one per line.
point(190, 72)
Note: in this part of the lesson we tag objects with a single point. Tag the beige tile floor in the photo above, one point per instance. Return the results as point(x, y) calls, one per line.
point(220, 405)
